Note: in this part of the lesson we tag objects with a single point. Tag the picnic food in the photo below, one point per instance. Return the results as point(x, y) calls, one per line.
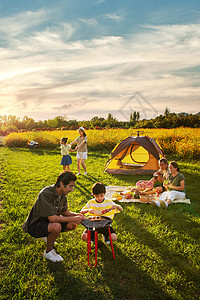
point(114, 195)
point(129, 188)
point(104, 211)
point(166, 181)
point(95, 218)
point(119, 190)
point(133, 189)
point(117, 196)
point(128, 196)
point(136, 196)
point(142, 185)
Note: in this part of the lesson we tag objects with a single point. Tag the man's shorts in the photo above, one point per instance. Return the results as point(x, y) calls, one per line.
point(40, 229)
point(103, 230)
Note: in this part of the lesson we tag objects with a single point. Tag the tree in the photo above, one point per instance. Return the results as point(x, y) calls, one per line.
point(167, 111)
point(111, 121)
point(134, 117)
point(27, 123)
point(137, 116)
point(97, 122)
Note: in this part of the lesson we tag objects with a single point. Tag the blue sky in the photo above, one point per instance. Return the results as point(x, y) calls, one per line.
point(86, 58)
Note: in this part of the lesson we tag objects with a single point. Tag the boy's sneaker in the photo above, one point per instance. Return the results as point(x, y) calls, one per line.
point(155, 203)
point(78, 174)
point(85, 173)
point(164, 204)
point(106, 240)
point(53, 256)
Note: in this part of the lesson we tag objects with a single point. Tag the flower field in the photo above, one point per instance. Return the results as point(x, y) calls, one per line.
point(182, 142)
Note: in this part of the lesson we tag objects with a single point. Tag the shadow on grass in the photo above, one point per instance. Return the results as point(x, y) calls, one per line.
point(126, 280)
point(97, 154)
point(122, 279)
point(175, 260)
point(92, 178)
point(82, 187)
point(36, 151)
point(130, 179)
point(52, 151)
point(71, 288)
point(180, 219)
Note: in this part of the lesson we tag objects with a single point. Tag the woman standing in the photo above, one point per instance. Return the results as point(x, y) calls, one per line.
point(81, 148)
point(175, 187)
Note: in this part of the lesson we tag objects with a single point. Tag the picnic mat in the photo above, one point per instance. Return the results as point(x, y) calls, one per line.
point(119, 193)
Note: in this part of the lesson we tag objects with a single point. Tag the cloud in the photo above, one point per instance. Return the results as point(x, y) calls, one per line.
point(100, 1)
point(113, 17)
point(50, 71)
point(21, 23)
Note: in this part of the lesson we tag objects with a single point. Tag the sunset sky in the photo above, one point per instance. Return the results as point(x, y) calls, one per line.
point(86, 58)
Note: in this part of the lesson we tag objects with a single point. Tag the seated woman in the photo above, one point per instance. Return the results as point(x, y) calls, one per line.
point(175, 187)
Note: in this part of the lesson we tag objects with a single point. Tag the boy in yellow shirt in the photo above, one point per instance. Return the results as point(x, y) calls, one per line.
point(97, 206)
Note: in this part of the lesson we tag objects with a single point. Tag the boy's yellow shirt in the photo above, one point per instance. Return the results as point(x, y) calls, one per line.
point(99, 206)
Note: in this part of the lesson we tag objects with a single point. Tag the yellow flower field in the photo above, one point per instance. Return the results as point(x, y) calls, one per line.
point(183, 142)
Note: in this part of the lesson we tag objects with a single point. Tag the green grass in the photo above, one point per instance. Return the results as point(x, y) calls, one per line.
point(157, 252)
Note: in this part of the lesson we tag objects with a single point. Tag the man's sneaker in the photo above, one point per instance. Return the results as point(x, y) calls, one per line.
point(53, 256)
point(155, 203)
point(106, 240)
point(164, 204)
point(78, 174)
point(85, 173)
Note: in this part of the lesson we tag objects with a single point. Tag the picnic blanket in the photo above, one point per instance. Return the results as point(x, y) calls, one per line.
point(112, 192)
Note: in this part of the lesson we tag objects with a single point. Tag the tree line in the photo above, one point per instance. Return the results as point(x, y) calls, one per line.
point(167, 120)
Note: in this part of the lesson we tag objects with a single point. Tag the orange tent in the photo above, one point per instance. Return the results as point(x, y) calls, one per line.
point(135, 155)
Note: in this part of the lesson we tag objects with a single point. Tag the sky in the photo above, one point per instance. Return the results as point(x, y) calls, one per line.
point(85, 58)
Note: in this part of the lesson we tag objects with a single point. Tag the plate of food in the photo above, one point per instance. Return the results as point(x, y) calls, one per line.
point(95, 218)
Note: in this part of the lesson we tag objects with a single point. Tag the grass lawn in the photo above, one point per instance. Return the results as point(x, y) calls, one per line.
point(157, 252)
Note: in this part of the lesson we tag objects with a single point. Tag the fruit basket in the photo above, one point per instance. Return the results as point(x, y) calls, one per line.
point(144, 185)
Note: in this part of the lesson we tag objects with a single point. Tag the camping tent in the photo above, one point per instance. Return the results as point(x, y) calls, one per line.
point(134, 155)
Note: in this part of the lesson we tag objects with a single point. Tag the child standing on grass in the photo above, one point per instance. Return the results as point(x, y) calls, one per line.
point(101, 206)
point(66, 159)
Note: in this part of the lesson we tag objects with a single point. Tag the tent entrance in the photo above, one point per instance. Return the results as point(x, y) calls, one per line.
point(135, 157)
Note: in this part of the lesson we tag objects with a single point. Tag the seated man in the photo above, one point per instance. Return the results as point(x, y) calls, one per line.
point(50, 215)
point(162, 174)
